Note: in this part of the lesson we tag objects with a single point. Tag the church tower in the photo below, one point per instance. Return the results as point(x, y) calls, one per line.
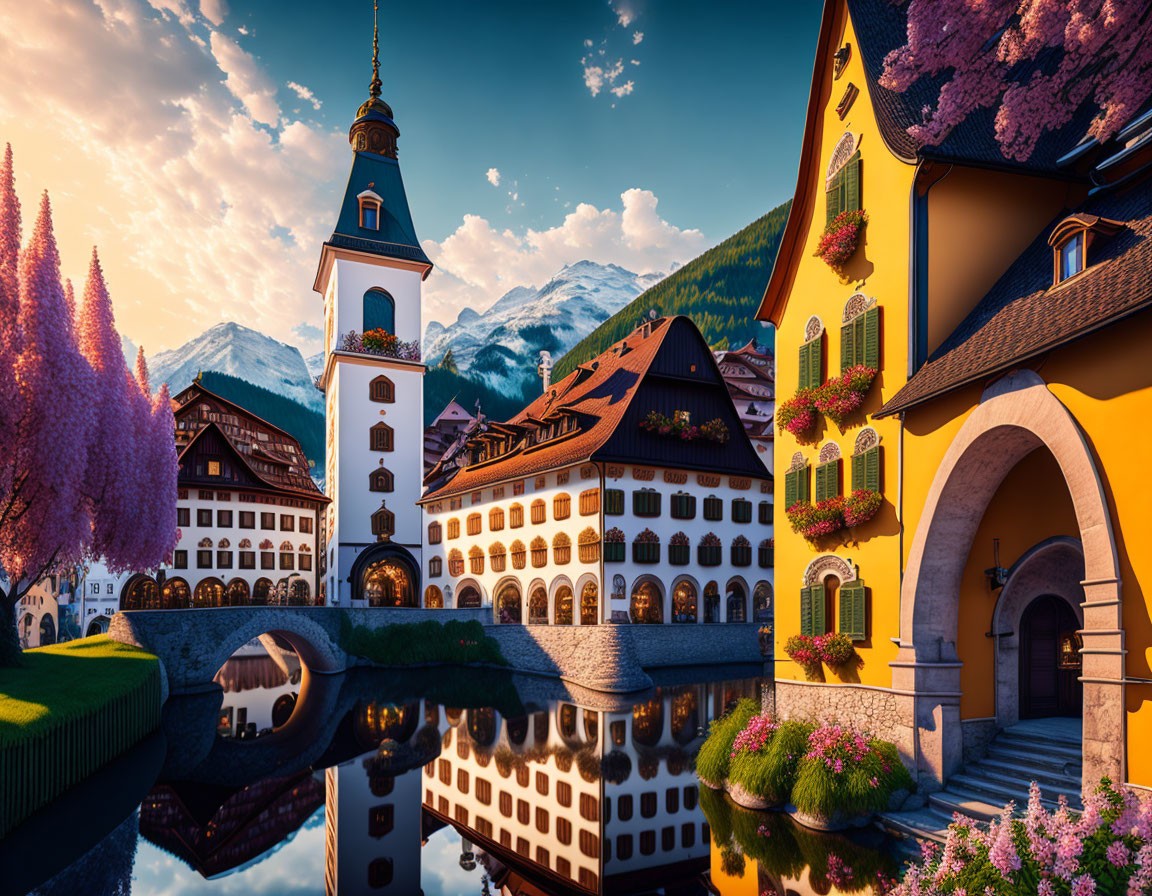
point(370, 274)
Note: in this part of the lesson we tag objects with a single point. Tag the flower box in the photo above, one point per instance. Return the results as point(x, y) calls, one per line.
point(840, 239)
point(614, 552)
point(709, 555)
point(679, 554)
point(645, 552)
point(798, 414)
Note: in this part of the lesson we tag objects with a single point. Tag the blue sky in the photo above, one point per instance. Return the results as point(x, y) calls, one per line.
point(207, 140)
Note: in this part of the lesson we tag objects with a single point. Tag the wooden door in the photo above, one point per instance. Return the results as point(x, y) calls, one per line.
point(1046, 689)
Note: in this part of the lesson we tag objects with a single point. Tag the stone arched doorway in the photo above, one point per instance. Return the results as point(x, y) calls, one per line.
point(385, 575)
point(1049, 659)
point(1054, 566)
point(1016, 415)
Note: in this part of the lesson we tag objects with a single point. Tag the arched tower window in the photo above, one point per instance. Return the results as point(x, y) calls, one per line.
point(382, 390)
point(379, 311)
point(380, 480)
point(369, 210)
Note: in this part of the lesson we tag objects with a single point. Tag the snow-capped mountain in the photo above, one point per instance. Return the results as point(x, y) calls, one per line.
point(239, 351)
point(502, 345)
point(315, 363)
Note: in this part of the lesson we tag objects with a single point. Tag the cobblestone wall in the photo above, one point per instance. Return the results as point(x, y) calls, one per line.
point(885, 713)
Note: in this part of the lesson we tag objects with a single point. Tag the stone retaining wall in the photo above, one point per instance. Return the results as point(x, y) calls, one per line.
point(882, 711)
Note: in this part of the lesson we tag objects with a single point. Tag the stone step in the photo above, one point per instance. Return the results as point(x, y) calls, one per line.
point(972, 805)
point(924, 824)
point(999, 791)
point(1061, 764)
point(1069, 750)
point(1051, 782)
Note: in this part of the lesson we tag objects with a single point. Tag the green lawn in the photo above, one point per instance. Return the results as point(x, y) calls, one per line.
point(65, 712)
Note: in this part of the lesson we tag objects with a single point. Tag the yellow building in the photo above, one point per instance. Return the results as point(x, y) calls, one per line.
point(1005, 307)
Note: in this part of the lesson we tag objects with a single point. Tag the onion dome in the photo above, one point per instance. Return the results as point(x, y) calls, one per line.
point(374, 130)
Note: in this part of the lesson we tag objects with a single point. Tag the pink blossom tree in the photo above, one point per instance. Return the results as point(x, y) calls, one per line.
point(1104, 52)
point(64, 491)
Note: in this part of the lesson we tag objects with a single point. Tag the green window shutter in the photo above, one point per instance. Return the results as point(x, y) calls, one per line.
point(847, 345)
point(853, 600)
point(804, 366)
point(859, 339)
point(832, 200)
point(851, 180)
point(818, 621)
point(816, 361)
point(805, 611)
point(791, 488)
point(803, 483)
point(859, 471)
point(871, 463)
point(872, 338)
point(822, 483)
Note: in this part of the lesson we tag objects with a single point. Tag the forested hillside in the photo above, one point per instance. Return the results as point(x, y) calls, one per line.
point(720, 291)
point(304, 423)
point(442, 384)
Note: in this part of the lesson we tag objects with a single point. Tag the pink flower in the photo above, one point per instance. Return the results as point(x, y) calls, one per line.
point(1118, 854)
point(1084, 885)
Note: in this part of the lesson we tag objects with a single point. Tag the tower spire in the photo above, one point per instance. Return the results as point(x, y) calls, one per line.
point(374, 85)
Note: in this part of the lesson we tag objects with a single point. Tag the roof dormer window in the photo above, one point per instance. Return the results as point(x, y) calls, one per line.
point(369, 210)
point(1071, 241)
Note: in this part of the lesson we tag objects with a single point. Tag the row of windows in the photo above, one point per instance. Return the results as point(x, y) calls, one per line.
point(247, 520)
point(823, 481)
point(859, 345)
point(588, 551)
point(647, 502)
point(205, 559)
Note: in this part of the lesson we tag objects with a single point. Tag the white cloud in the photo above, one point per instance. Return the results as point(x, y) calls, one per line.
point(593, 77)
point(625, 16)
point(493, 176)
point(478, 263)
point(192, 187)
point(215, 11)
point(624, 89)
point(305, 93)
point(246, 79)
point(637, 36)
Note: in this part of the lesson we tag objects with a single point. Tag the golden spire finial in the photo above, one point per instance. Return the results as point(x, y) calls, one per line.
point(374, 85)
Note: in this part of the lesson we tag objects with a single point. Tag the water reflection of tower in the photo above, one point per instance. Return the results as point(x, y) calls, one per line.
point(372, 805)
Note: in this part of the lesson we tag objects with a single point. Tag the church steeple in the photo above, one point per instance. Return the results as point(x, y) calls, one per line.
point(374, 130)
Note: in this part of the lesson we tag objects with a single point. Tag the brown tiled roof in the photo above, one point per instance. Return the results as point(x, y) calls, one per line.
point(1024, 316)
point(599, 391)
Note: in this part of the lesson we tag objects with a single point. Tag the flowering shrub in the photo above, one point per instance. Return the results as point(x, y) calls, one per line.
point(846, 771)
point(679, 540)
point(755, 735)
point(1106, 850)
point(861, 506)
point(797, 414)
point(841, 236)
point(648, 537)
point(802, 650)
point(614, 536)
point(819, 519)
point(681, 428)
point(380, 342)
point(839, 398)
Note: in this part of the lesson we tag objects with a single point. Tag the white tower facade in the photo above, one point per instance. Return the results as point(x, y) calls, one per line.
point(370, 274)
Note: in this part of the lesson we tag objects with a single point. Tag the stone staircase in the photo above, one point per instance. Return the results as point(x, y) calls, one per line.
point(1047, 751)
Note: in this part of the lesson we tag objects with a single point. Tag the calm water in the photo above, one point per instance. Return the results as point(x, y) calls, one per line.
point(459, 782)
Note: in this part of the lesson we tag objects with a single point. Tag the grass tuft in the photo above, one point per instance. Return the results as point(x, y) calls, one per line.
point(714, 756)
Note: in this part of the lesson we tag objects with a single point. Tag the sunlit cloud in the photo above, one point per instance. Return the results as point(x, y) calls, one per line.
point(305, 94)
point(493, 176)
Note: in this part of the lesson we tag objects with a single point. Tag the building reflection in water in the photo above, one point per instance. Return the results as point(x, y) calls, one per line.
point(261, 683)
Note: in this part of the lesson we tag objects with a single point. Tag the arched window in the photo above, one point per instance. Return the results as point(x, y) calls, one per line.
point(380, 437)
point(382, 390)
point(860, 333)
point(468, 598)
point(684, 602)
point(379, 311)
point(380, 480)
point(562, 506)
point(434, 533)
point(433, 598)
point(647, 604)
point(455, 563)
point(387, 583)
point(538, 512)
point(516, 516)
point(175, 594)
point(435, 567)
point(209, 593)
point(369, 210)
point(508, 604)
point(561, 549)
point(589, 604)
point(453, 528)
point(762, 602)
point(538, 607)
point(589, 546)
point(473, 524)
point(497, 556)
point(519, 555)
point(496, 519)
point(737, 603)
point(141, 593)
point(476, 561)
point(562, 615)
point(539, 552)
point(383, 522)
point(238, 593)
point(589, 502)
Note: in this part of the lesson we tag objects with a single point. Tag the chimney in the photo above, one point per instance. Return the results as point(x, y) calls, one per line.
point(544, 370)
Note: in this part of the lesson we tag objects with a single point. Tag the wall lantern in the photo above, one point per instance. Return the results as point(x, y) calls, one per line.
point(997, 575)
point(1070, 644)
